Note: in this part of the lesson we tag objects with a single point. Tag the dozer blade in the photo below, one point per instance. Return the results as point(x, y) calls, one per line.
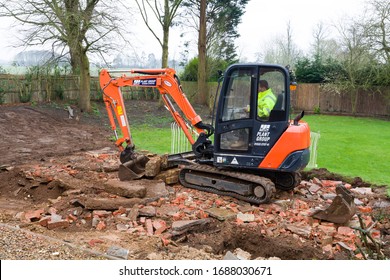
point(133, 169)
point(341, 209)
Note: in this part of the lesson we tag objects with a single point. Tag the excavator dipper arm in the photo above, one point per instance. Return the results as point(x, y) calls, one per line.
point(167, 83)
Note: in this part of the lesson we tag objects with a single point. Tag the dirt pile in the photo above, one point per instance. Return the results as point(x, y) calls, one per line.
point(68, 190)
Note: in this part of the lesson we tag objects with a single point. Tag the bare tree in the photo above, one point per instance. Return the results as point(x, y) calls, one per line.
point(202, 66)
point(377, 28)
point(356, 56)
point(324, 47)
point(74, 28)
point(281, 49)
point(319, 36)
point(165, 16)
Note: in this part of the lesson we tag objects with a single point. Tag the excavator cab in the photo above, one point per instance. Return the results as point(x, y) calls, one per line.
point(253, 138)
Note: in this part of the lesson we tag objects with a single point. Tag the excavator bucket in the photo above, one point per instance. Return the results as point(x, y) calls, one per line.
point(133, 169)
point(341, 209)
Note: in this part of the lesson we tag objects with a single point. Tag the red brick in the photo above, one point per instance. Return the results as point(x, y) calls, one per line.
point(44, 221)
point(347, 186)
point(101, 213)
point(57, 224)
point(71, 217)
point(219, 202)
point(149, 227)
point(364, 209)
point(178, 216)
point(165, 241)
point(328, 248)
point(120, 211)
point(93, 242)
point(347, 231)
point(359, 256)
point(330, 183)
point(327, 230)
point(34, 215)
point(101, 225)
point(160, 226)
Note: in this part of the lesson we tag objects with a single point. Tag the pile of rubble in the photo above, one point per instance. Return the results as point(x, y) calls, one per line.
point(89, 197)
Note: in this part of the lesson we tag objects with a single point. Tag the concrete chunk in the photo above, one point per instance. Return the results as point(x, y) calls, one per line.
point(110, 203)
point(147, 211)
point(180, 227)
point(118, 252)
point(221, 214)
point(246, 218)
point(152, 167)
point(304, 231)
point(125, 189)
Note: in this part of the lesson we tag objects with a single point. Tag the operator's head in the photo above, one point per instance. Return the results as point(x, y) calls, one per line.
point(263, 85)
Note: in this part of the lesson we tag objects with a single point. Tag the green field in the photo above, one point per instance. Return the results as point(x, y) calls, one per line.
point(355, 147)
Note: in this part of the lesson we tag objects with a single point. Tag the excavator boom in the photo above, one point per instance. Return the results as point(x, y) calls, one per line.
point(165, 80)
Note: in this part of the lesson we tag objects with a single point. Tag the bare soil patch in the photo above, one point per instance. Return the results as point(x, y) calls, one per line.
point(52, 164)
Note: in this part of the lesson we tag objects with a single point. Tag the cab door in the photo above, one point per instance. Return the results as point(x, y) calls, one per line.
point(243, 137)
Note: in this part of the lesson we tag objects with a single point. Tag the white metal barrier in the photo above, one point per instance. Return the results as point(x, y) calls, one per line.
point(314, 137)
point(179, 141)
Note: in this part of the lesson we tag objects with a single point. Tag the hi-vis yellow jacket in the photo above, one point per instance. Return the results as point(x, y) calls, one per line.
point(265, 103)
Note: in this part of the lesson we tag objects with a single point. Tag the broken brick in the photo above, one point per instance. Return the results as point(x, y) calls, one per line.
point(327, 230)
point(331, 183)
point(120, 211)
point(149, 227)
point(165, 241)
point(160, 226)
point(71, 217)
point(44, 221)
point(34, 215)
point(93, 242)
point(57, 224)
point(101, 213)
point(304, 231)
point(101, 225)
point(345, 231)
point(364, 209)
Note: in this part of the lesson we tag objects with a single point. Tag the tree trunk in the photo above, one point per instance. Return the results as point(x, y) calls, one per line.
point(202, 85)
point(164, 58)
point(80, 67)
point(85, 87)
point(166, 23)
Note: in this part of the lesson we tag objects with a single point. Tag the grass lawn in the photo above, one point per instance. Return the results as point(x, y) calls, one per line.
point(156, 140)
point(348, 146)
point(353, 146)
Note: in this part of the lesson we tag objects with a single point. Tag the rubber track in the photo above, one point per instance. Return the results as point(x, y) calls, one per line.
point(268, 185)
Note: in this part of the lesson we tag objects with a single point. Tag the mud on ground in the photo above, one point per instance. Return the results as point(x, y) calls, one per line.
point(51, 164)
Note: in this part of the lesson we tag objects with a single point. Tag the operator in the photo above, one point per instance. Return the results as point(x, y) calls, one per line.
point(265, 100)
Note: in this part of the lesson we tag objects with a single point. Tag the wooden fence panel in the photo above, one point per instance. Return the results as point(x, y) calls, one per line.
point(317, 98)
point(308, 97)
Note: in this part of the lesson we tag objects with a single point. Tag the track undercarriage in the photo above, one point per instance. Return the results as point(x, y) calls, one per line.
point(247, 187)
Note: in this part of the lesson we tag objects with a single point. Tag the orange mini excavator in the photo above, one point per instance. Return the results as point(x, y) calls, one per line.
point(249, 157)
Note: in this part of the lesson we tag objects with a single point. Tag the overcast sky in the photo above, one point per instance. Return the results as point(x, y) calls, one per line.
point(266, 19)
point(263, 19)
